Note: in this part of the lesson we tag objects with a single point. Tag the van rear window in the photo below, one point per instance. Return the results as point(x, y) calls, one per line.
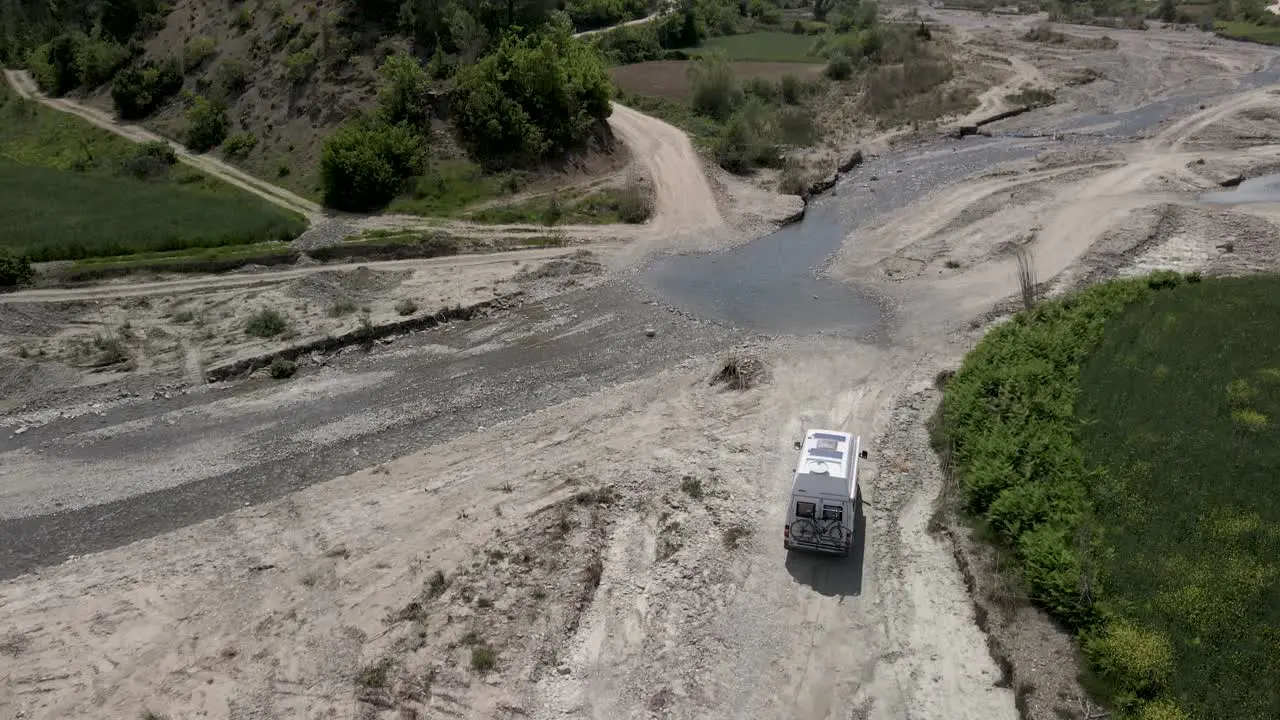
point(833, 512)
point(806, 509)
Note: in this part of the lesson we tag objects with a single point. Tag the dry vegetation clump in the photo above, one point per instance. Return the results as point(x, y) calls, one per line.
point(740, 372)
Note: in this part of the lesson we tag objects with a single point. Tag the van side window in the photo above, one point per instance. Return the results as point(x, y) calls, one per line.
point(806, 509)
point(833, 512)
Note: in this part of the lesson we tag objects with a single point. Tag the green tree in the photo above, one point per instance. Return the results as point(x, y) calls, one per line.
point(365, 163)
point(403, 85)
point(532, 98)
point(1167, 11)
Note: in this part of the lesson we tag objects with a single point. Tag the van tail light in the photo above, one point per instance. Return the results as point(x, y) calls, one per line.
point(786, 531)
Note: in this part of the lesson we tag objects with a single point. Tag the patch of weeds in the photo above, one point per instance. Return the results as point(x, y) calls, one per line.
point(437, 584)
point(183, 316)
point(563, 525)
point(539, 594)
point(733, 535)
point(668, 541)
point(484, 603)
point(605, 495)
point(692, 487)
point(150, 715)
point(740, 372)
point(483, 658)
point(266, 323)
point(406, 307)
point(506, 487)
point(377, 675)
point(593, 573)
point(341, 308)
point(282, 368)
point(339, 551)
point(110, 349)
point(952, 264)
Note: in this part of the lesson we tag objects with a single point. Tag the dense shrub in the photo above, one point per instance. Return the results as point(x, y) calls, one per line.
point(230, 77)
point(749, 139)
point(593, 14)
point(366, 162)
point(142, 87)
point(99, 60)
point(716, 92)
point(1010, 425)
point(630, 44)
point(206, 124)
point(14, 269)
point(196, 51)
point(149, 161)
point(239, 145)
point(403, 87)
point(534, 97)
point(282, 368)
point(266, 323)
point(299, 66)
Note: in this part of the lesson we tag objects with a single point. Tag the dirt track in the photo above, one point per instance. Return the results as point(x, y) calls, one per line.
point(537, 459)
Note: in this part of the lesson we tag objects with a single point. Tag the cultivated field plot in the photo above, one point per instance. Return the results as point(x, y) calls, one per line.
point(1180, 406)
point(69, 191)
point(765, 47)
point(670, 78)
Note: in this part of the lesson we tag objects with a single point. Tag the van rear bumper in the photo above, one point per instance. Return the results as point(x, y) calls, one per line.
point(823, 549)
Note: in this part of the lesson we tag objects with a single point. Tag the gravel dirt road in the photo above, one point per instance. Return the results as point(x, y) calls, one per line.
point(551, 512)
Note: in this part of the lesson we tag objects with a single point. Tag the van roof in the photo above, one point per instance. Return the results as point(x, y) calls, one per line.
point(828, 464)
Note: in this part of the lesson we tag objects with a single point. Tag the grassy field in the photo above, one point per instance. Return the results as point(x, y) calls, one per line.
point(669, 79)
point(1121, 443)
point(69, 191)
point(1240, 30)
point(1180, 408)
point(766, 47)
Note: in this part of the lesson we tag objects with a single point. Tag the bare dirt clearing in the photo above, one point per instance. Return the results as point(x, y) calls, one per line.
point(605, 520)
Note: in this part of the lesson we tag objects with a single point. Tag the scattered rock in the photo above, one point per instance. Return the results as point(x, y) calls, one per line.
point(650, 332)
point(1232, 181)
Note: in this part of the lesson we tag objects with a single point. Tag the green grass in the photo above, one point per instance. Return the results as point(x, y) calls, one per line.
point(65, 195)
point(1240, 30)
point(764, 47)
point(607, 206)
point(450, 186)
point(1121, 444)
point(1180, 408)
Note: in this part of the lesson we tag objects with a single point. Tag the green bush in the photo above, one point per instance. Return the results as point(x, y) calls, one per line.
point(231, 76)
point(206, 124)
point(149, 161)
point(532, 98)
point(839, 67)
point(366, 162)
point(403, 85)
point(265, 324)
point(282, 368)
point(299, 66)
point(99, 60)
point(239, 145)
point(630, 44)
point(142, 87)
point(716, 93)
point(196, 51)
point(14, 269)
point(749, 139)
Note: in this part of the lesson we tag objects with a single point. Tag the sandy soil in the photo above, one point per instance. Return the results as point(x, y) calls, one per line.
point(622, 555)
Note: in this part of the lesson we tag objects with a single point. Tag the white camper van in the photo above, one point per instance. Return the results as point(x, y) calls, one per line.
point(824, 493)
